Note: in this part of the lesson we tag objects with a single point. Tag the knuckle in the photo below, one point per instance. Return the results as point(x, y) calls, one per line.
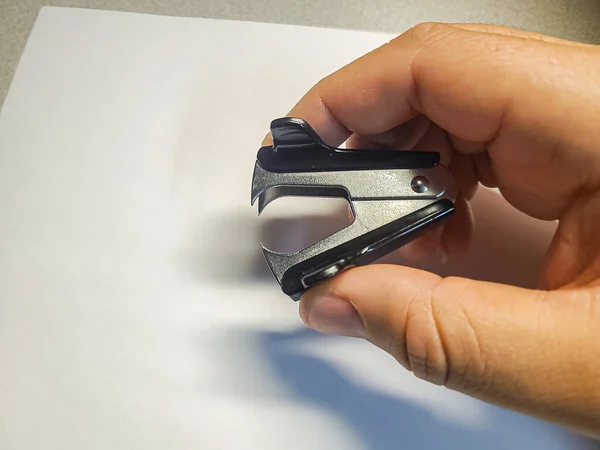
point(427, 33)
point(427, 368)
point(466, 359)
point(423, 344)
point(396, 346)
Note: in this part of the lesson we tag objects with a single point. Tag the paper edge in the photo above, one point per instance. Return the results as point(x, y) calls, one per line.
point(46, 11)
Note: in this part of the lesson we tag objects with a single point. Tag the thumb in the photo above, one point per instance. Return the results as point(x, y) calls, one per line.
point(532, 351)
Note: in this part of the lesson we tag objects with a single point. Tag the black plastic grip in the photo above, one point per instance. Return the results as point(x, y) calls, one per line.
point(378, 242)
point(297, 148)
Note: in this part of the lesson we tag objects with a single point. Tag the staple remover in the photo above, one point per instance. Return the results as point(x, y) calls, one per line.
point(394, 196)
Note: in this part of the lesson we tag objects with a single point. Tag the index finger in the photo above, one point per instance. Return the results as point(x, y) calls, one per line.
point(470, 83)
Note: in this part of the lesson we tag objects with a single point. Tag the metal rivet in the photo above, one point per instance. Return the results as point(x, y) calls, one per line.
point(419, 184)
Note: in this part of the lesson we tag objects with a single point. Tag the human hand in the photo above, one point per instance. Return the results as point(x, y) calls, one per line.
point(507, 109)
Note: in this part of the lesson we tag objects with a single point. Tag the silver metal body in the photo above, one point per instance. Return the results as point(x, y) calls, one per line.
point(376, 198)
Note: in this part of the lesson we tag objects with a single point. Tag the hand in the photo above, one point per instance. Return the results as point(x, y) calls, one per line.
point(508, 109)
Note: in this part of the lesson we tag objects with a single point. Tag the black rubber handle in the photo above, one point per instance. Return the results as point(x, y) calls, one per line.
point(297, 148)
point(379, 242)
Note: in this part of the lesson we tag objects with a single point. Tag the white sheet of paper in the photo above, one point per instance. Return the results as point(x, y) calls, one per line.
point(135, 307)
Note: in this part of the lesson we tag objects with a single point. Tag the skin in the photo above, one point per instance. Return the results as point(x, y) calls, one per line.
point(507, 109)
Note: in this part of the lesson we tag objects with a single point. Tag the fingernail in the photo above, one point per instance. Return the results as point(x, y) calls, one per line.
point(333, 315)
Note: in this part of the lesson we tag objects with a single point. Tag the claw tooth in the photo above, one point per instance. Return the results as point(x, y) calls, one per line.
point(266, 253)
point(261, 203)
point(277, 262)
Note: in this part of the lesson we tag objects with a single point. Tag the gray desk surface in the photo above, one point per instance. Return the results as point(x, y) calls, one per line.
point(570, 19)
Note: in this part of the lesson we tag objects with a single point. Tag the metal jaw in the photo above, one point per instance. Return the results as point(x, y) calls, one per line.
point(394, 195)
